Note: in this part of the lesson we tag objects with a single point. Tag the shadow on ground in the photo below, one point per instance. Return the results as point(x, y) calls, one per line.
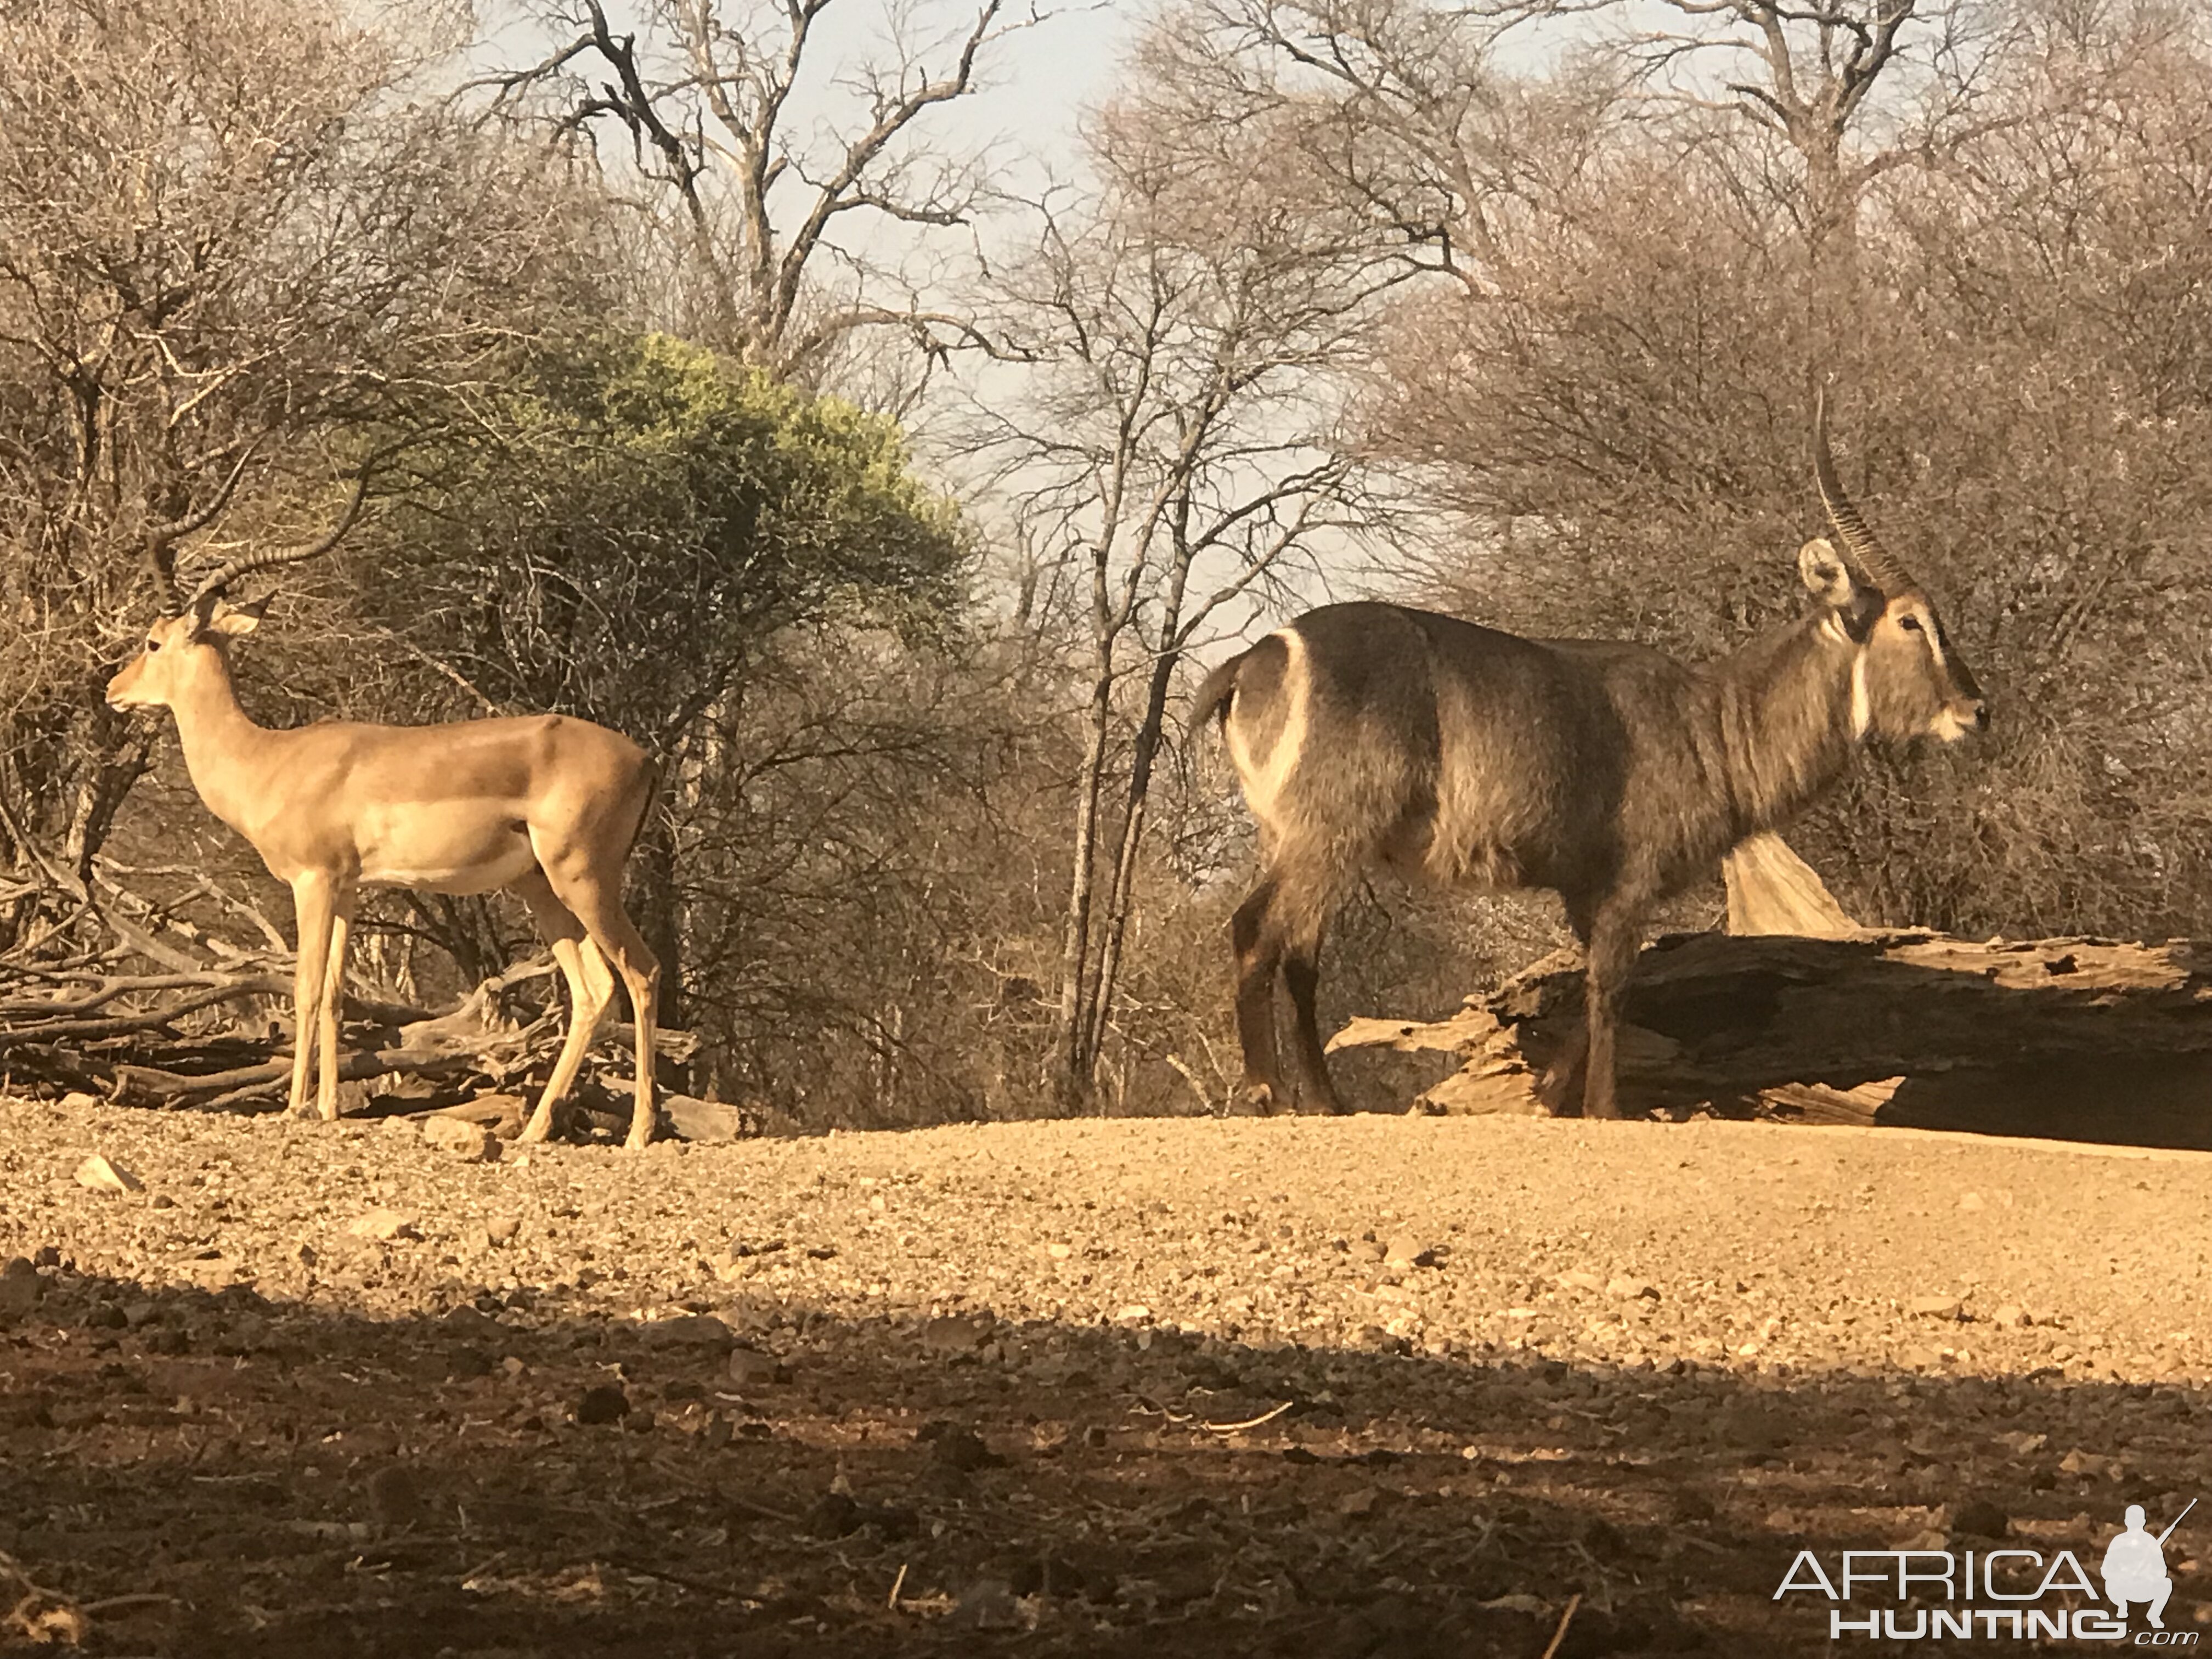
point(522, 1477)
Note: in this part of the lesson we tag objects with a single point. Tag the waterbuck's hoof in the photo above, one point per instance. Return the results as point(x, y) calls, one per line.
point(1253, 1100)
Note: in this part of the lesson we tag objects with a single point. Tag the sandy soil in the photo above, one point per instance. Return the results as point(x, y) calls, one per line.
point(1372, 1386)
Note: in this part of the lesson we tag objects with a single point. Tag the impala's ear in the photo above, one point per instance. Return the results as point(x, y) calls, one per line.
point(1826, 577)
point(236, 619)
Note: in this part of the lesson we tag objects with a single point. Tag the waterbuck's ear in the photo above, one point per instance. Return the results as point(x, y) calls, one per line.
point(1827, 577)
point(236, 619)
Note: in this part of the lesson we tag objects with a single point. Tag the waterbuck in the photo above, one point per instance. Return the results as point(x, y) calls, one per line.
point(1609, 773)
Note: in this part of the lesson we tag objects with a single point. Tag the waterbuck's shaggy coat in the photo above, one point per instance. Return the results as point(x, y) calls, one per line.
point(1609, 773)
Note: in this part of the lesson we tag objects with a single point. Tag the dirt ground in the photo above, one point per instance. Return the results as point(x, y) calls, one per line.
point(1371, 1386)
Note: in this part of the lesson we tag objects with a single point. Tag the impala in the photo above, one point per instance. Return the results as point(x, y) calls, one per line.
point(543, 805)
point(1609, 773)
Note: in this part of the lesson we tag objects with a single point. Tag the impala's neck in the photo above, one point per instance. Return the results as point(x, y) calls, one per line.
point(1790, 716)
point(223, 749)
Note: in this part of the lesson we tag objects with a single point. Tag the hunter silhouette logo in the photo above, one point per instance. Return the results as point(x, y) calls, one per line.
point(2134, 1566)
point(2007, 1593)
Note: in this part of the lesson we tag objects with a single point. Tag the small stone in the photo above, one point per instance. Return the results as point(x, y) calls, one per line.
point(1404, 1250)
point(955, 1334)
point(1979, 1517)
point(1935, 1307)
point(1629, 1289)
point(1752, 1427)
point(394, 1498)
point(21, 1288)
point(689, 1331)
point(103, 1175)
point(502, 1229)
point(400, 1128)
point(77, 1101)
point(1915, 1358)
point(465, 1319)
point(2011, 1316)
point(384, 1226)
point(689, 1118)
point(1135, 1314)
point(470, 1142)
point(988, 1604)
point(751, 1368)
point(958, 1448)
point(210, 1273)
point(1970, 1202)
point(836, 1516)
point(602, 1405)
point(1576, 1279)
point(1059, 1252)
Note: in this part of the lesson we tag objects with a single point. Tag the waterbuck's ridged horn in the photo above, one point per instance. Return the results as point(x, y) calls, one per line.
point(1892, 577)
point(212, 586)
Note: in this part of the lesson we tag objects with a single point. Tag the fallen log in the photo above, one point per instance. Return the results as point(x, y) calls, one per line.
point(2075, 1038)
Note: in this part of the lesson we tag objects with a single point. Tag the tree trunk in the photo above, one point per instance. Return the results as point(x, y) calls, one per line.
point(1069, 1078)
point(1114, 926)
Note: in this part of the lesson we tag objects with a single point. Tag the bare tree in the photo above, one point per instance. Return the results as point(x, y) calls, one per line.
point(1167, 455)
point(758, 184)
point(226, 239)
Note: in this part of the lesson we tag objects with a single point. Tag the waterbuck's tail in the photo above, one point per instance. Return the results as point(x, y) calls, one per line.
point(1216, 692)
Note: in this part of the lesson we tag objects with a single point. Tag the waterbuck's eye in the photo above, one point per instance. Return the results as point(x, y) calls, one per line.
point(1911, 624)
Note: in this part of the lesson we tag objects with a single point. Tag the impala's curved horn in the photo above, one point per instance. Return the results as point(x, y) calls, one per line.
point(212, 586)
point(1866, 550)
point(161, 539)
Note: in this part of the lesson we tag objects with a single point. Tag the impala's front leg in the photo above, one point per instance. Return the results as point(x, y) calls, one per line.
point(313, 904)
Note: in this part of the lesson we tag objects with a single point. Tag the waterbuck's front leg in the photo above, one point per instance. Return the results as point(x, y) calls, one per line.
point(1613, 940)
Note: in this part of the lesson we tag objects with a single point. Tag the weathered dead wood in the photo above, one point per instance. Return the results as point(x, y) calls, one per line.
point(2074, 1037)
point(1771, 891)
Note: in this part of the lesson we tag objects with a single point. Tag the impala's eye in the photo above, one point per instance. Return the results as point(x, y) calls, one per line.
point(1910, 624)
point(152, 646)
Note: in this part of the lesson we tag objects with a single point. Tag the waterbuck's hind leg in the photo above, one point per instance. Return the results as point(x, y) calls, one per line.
point(1259, 953)
point(1306, 923)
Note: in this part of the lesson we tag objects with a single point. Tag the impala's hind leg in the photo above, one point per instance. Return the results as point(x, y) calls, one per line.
point(591, 989)
point(596, 905)
point(1259, 953)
